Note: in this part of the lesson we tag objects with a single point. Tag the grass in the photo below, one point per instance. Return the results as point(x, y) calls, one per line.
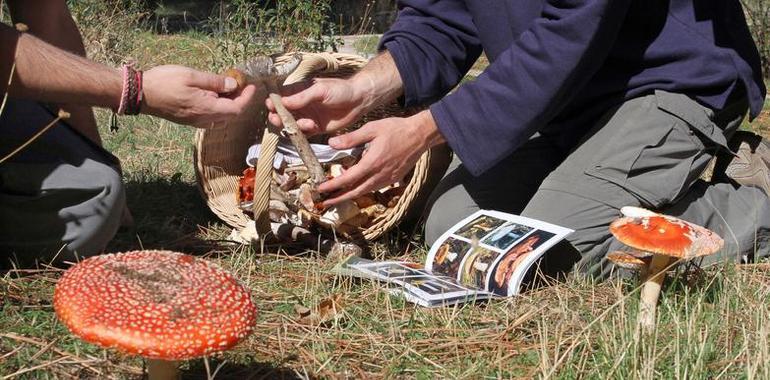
point(367, 45)
point(715, 326)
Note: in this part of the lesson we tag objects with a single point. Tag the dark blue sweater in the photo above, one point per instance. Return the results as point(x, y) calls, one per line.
point(551, 60)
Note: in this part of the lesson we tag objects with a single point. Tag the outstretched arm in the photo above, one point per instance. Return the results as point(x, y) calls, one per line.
point(46, 73)
point(52, 22)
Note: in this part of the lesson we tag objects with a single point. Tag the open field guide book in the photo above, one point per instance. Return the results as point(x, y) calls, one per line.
point(485, 255)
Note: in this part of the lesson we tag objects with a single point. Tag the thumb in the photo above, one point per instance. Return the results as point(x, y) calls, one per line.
point(355, 138)
point(218, 83)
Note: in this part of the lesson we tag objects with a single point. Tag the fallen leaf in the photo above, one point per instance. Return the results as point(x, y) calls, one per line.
point(329, 309)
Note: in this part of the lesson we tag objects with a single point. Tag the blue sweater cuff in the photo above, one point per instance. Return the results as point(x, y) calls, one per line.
point(400, 54)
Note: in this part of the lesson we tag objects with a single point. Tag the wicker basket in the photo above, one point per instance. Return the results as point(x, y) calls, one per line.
point(220, 154)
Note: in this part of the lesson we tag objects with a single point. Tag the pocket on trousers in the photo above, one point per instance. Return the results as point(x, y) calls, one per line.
point(659, 157)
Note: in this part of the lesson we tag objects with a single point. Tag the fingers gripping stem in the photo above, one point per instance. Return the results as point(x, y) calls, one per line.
point(300, 142)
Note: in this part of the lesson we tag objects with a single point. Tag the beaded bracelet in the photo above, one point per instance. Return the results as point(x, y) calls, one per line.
point(131, 96)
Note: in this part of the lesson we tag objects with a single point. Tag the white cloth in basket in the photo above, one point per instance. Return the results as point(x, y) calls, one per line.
point(285, 152)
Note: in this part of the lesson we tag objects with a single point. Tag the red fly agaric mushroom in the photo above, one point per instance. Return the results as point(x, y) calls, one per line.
point(162, 305)
point(667, 239)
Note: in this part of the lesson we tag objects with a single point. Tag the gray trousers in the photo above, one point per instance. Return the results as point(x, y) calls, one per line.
point(60, 197)
point(648, 152)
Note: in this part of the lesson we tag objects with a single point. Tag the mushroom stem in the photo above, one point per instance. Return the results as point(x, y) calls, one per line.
point(162, 369)
point(305, 152)
point(651, 284)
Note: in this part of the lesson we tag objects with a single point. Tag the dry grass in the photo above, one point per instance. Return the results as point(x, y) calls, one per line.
point(567, 330)
point(714, 328)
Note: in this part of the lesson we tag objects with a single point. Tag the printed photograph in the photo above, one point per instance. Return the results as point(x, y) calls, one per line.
point(475, 267)
point(504, 269)
point(431, 285)
point(394, 270)
point(479, 227)
point(505, 236)
point(449, 256)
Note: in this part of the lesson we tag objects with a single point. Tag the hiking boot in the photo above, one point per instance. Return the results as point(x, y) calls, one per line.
point(751, 165)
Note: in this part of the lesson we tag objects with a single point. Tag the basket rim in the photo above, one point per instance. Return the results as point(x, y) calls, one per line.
point(216, 183)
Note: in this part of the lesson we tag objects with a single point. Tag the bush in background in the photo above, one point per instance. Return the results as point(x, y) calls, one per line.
point(109, 27)
point(234, 30)
point(758, 17)
point(245, 28)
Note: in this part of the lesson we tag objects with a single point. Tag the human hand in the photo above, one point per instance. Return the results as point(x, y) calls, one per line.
point(388, 157)
point(326, 105)
point(192, 97)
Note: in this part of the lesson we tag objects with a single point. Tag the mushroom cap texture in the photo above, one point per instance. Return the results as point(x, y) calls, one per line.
point(636, 212)
point(666, 235)
point(628, 260)
point(156, 304)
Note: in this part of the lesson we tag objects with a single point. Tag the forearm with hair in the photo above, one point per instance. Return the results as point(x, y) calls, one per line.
point(52, 22)
point(380, 81)
point(46, 73)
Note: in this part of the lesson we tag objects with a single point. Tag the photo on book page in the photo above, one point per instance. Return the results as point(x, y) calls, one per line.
point(449, 256)
point(467, 297)
point(492, 246)
point(476, 265)
point(505, 236)
point(502, 271)
point(419, 286)
point(479, 227)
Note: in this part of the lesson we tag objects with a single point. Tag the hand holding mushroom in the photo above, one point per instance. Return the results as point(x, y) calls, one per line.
point(658, 242)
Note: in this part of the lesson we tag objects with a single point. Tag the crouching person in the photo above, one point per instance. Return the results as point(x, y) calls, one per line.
point(61, 196)
point(587, 106)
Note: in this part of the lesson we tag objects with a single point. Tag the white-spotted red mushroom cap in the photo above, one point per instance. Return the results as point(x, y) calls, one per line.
point(628, 260)
point(157, 304)
point(666, 235)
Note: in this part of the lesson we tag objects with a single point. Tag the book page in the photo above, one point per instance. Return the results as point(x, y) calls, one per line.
point(419, 286)
point(492, 251)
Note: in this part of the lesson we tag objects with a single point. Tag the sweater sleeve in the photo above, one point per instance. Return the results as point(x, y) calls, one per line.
point(433, 43)
point(529, 83)
point(523, 89)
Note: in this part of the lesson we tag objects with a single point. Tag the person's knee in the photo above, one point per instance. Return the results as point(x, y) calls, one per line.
point(590, 221)
point(99, 216)
point(446, 209)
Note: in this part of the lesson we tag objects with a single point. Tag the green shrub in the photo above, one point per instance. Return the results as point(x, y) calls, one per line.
point(108, 27)
point(245, 28)
point(239, 29)
point(758, 17)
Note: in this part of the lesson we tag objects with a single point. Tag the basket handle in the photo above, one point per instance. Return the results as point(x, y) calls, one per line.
point(311, 63)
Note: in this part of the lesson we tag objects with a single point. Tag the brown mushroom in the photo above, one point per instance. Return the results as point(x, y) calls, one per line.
point(374, 211)
point(667, 239)
point(307, 197)
point(161, 305)
point(365, 200)
point(630, 261)
point(338, 214)
point(335, 170)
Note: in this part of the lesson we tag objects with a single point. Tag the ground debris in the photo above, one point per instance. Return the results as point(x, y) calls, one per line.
point(327, 310)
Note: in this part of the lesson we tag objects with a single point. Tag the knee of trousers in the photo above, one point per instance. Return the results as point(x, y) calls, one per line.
point(588, 217)
point(98, 218)
point(447, 208)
